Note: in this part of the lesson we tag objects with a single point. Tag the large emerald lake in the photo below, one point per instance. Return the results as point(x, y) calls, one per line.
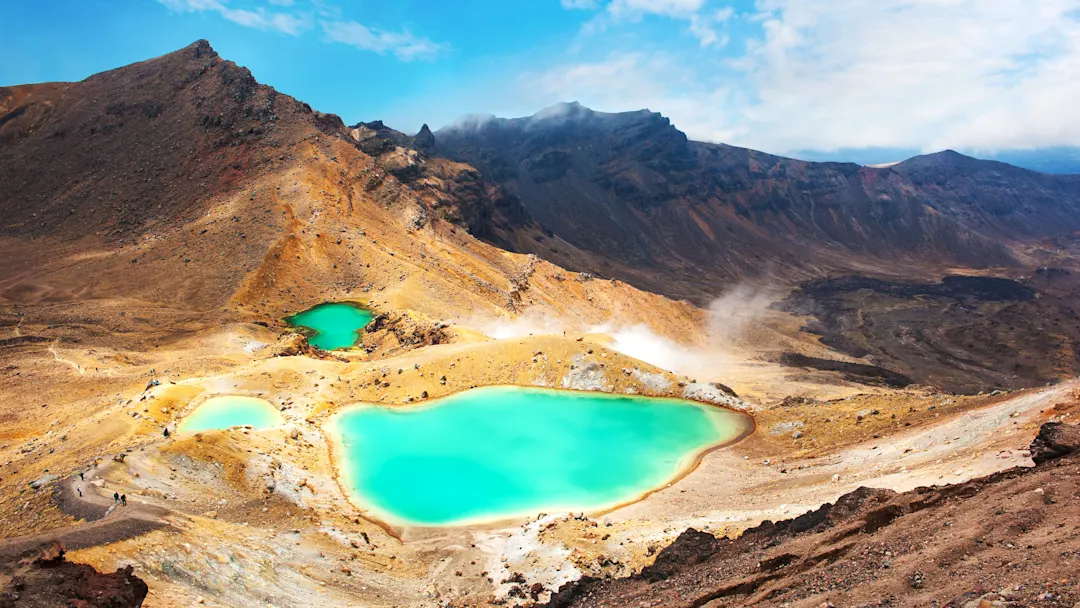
point(332, 326)
point(500, 452)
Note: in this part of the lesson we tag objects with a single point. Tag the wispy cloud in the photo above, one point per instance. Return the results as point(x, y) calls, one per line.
point(402, 44)
point(261, 18)
point(922, 73)
point(705, 25)
point(703, 22)
point(670, 8)
point(291, 20)
point(580, 4)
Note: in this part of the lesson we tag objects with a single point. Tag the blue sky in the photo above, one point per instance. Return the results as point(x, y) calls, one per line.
point(777, 75)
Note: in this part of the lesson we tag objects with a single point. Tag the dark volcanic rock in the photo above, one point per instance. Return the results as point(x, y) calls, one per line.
point(691, 547)
point(963, 334)
point(44, 579)
point(855, 372)
point(455, 192)
point(424, 141)
point(1055, 440)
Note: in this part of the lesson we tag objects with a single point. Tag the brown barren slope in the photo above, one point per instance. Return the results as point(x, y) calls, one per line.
point(1012, 537)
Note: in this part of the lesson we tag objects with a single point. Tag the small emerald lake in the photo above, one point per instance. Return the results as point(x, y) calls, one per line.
point(231, 410)
point(500, 452)
point(332, 326)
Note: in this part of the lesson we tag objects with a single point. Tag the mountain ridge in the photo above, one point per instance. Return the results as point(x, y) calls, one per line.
point(1053, 160)
point(571, 109)
point(191, 184)
point(635, 192)
point(140, 113)
point(182, 181)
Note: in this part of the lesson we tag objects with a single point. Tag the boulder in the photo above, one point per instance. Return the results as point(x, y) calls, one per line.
point(42, 481)
point(691, 547)
point(1055, 439)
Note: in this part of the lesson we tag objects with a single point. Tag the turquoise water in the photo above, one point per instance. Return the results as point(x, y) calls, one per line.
point(332, 326)
point(499, 452)
point(231, 410)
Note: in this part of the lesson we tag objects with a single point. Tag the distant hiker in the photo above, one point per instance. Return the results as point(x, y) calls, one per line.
point(116, 497)
point(79, 490)
point(166, 432)
point(123, 499)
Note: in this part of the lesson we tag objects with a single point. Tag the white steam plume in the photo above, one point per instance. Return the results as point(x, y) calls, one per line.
point(528, 324)
point(731, 319)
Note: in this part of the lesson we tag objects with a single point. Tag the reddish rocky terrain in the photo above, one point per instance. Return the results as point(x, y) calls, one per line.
point(147, 144)
point(42, 578)
point(1010, 539)
point(628, 196)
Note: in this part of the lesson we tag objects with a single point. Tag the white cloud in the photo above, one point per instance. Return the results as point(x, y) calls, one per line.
point(671, 8)
point(260, 18)
point(930, 74)
point(703, 22)
point(580, 4)
point(403, 45)
point(703, 26)
point(922, 73)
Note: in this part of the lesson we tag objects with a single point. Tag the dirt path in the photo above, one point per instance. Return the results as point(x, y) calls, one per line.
point(56, 355)
point(104, 520)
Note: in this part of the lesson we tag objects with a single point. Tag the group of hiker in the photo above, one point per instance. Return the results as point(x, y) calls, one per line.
point(117, 497)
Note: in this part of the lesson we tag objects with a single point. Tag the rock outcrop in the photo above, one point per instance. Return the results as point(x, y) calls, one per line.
point(44, 579)
point(395, 332)
point(1055, 439)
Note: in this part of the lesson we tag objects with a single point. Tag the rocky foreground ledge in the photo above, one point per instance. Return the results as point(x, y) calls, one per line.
point(1009, 539)
point(42, 578)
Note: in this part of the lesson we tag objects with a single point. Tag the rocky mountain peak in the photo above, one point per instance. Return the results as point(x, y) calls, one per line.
point(195, 122)
point(202, 48)
point(948, 166)
point(424, 141)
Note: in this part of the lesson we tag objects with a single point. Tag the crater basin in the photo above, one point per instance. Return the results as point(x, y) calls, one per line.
point(228, 411)
point(332, 326)
point(504, 452)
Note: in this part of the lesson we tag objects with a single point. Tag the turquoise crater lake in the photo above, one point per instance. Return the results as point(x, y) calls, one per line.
point(500, 452)
point(231, 410)
point(332, 326)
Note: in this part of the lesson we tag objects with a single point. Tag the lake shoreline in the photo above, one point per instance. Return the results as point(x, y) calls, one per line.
point(743, 426)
